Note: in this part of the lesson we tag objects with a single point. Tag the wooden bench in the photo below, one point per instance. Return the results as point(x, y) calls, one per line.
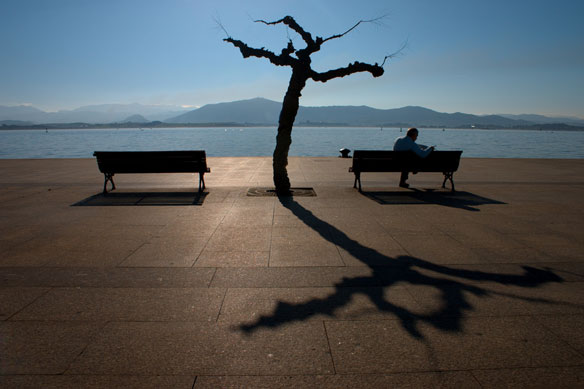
point(445, 162)
point(114, 162)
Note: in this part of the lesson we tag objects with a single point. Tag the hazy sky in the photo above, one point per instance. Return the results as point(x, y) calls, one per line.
point(475, 56)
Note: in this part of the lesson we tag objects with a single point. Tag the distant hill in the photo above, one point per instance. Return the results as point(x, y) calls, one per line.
point(14, 123)
point(105, 113)
point(18, 110)
point(399, 117)
point(552, 127)
point(540, 119)
point(23, 113)
point(135, 119)
point(117, 111)
point(263, 111)
point(256, 111)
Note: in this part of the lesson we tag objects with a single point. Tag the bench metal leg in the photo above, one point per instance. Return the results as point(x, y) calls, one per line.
point(108, 177)
point(448, 176)
point(357, 179)
point(201, 182)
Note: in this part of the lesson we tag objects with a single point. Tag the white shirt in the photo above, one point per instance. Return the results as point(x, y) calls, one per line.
point(407, 144)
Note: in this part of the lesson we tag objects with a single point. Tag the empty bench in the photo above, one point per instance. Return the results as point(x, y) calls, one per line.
point(115, 162)
point(445, 162)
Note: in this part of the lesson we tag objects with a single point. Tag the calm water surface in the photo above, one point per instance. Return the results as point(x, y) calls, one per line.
point(253, 141)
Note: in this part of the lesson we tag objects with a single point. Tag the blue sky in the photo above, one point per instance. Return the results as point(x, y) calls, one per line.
point(471, 56)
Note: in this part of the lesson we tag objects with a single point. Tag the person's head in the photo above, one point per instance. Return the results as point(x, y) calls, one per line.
point(412, 133)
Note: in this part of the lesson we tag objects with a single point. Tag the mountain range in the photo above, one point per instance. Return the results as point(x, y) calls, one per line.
point(104, 113)
point(263, 111)
point(260, 111)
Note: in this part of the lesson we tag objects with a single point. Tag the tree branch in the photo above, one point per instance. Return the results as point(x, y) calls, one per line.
point(220, 24)
point(352, 28)
point(395, 54)
point(355, 67)
point(290, 22)
point(283, 59)
point(289, 49)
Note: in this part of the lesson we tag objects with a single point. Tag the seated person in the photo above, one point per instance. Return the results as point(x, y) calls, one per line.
point(408, 143)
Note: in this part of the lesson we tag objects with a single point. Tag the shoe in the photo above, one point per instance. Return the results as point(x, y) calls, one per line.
point(404, 185)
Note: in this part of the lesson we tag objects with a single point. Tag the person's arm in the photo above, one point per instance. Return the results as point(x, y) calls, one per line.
point(421, 150)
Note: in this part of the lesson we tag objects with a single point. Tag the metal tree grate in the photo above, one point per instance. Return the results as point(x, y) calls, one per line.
point(271, 192)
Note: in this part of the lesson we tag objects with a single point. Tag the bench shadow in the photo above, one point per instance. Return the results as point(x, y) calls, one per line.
point(451, 284)
point(143, 199)
point(461, 200)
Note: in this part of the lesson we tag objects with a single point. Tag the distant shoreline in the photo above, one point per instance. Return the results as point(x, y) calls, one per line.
point(161, 125)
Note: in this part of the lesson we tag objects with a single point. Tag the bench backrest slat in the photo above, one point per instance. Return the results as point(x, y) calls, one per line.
point(190, 161)
point(395, 161)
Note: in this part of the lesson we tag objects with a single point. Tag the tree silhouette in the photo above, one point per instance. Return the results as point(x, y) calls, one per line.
point(300, 62)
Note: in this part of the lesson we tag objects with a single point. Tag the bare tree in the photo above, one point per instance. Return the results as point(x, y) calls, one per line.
point(299, 61)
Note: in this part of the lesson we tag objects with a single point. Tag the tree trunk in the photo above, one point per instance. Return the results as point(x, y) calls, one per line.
point(284, 137)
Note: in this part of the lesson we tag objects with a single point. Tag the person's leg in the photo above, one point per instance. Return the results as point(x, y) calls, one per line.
point(403, 179)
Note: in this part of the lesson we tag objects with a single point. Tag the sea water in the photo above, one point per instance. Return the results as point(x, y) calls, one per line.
point(306, 141)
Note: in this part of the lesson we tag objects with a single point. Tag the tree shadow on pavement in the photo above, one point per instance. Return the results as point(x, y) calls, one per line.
point(409, 270)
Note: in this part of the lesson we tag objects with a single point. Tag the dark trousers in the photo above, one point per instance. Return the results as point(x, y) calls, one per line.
point(403, 178)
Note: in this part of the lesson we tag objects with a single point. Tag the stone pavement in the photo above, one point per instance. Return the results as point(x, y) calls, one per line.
point(154, 286)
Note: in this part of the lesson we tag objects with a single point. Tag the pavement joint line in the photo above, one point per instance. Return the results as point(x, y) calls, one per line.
point(221, 305)
point(209, 239)
point(119, 264)
point(49, 289)
point(212, 277)
point(92, 339)
point(330, 350)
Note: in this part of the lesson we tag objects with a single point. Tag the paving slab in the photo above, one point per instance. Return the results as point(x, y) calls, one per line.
point(158, 286)
point(450, 250)
point(372, 381)
point(253, 309)
point(96, 382)
point(34, 347)
point(388, 346)
point(451, 299)
point(13, 300)
point(165, 252)
point(552, 377)
point(205, 348)
point(294, 277)
point(106, 277)
point(240, 239)
point(566, 327)
point(125, 304)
